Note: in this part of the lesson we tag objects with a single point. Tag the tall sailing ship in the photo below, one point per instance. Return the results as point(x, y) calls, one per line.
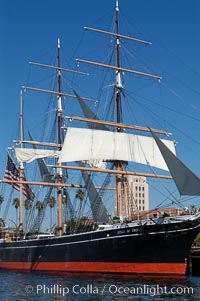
point(122, 240)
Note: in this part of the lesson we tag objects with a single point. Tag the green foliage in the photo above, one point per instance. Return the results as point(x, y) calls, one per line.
point(80, 194)
point(197, 240)
point(39, 206)
point(52, 202)
point(27, 204)
point(16, 203)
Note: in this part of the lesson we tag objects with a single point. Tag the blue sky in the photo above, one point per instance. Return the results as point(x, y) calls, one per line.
point(29, 30)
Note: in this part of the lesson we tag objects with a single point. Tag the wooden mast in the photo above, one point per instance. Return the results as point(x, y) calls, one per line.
point(118, 90)
point(119, 164)
point(60, 140)
point(21, 168)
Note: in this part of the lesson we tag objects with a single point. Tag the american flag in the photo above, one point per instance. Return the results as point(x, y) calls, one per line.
point(12, 173)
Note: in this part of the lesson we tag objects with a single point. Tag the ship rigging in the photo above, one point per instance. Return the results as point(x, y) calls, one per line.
point(117, 240)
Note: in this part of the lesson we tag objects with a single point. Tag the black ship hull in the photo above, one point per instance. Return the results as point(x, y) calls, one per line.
point(147, 249)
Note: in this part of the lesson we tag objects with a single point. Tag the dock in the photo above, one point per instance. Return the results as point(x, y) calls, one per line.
point(194, 261)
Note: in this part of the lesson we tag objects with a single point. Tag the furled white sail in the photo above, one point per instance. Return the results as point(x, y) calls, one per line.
point(96, 163)
point(186, 181)
point(87, 144)
point(29, 154)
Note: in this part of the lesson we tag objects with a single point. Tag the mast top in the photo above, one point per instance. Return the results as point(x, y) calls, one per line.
point(117, 5)
point(58, 42)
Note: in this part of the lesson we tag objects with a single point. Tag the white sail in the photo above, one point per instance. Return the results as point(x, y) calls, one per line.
point(87, 144)
point(29, 154)
point(186, 181)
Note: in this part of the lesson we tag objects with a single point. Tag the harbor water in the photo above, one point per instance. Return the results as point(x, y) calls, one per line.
point(16, 286)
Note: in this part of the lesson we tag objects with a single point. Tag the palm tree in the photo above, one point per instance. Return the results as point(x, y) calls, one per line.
point(27, 206)
point(1, 200)
point(16, 203)
point(80, 194)
point(39, 206)
point(192, 209)
point(51, 203)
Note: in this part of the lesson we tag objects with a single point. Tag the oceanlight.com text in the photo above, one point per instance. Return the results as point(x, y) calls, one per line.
point(150, 290)
point(108, 289)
